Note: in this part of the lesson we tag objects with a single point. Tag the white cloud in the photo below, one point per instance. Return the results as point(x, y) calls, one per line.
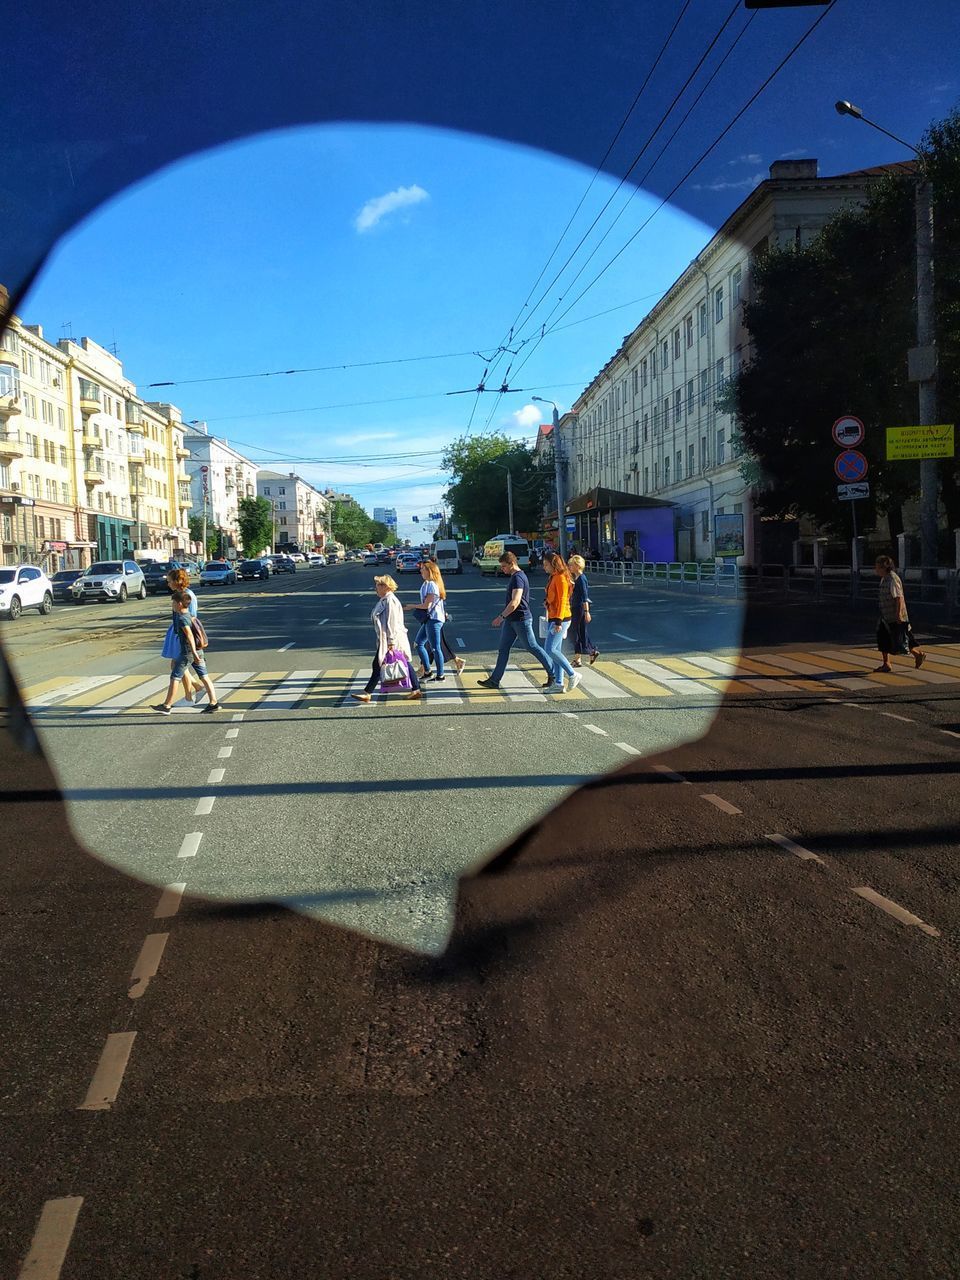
point(530, 416)
point(364, 437)
point(752, 158)
point(801, 153)
point(721, 184)
point(379, 207)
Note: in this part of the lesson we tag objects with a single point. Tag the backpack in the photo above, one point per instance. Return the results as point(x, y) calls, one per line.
point(200, 638)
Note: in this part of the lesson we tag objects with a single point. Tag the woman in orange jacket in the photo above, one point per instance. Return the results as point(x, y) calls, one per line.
point(559, 586)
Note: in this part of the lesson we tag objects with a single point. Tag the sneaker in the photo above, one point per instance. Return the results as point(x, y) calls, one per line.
point(553, 687)
point(487, 683)
point(438, 679)
point(459, 663)
point(547, 684)
point(162, 708)
point(214, 706)
point(575, 679)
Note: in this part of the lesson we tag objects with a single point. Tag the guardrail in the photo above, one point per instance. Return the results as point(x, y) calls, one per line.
point(932, 586)
point(722, 578)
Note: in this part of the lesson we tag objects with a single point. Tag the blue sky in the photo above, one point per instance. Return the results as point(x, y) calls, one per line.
point(348, 244)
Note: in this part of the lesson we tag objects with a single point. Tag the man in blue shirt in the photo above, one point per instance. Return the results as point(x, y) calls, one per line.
point(516, 623)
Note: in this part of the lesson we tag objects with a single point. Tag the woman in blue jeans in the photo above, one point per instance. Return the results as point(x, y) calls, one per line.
point(432, 595)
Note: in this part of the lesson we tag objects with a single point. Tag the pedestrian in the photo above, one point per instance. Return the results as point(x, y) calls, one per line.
point(391, 631)
point(190, 655)
point(559, 587)
point(445, 645)
point(179, 580)
point(894, 633)
point(432, 615)
point(629, 552)
point(580, 613)
point(515, 622)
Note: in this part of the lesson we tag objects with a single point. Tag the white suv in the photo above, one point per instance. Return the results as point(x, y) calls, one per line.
point(24, 586)
point(110, 580)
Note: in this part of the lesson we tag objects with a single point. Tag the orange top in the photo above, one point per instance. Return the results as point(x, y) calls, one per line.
point(558, 597)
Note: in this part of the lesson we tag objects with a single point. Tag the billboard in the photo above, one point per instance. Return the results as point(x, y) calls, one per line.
point(728, 535)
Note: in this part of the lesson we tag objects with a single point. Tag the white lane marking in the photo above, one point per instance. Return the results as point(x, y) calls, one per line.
point(51, 1240)
point(670, 773)
point(231, 733)
point(322, 621)
point(891, 716)
point(129, 697)
point(461, 643)
point(285, 647)
point(797, 849)
point(289, 691)
point(675, 683)
point(216, 775)
point(190, 845)
point(950, 733)
point(225, 753)
point(204, 806)
point(225, 684)
point(571, 715)
point(862, 706)
point(718, 802)
point(347, 605)
point(621, 636)
point(599, 686)
point(625, 746)
point(148, 962)
point(516, 686)
point(170, 899)
point(67, 691)
point(237, 715)
point(108, 1076)
point(894, 909)
point(594, 729)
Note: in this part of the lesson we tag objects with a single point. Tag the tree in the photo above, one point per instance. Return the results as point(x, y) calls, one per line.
point(255, 520)
point(478, 495)
point(351, 524)
point(379, 532)
point(830, 325)
point(213, 535)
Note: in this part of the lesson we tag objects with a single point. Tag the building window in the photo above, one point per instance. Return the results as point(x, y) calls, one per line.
point(719, 375)
point(736, 285)
point(653, 362)
point(690, 397)
point(666, 412)
point(656, 475)
point(676, 343)
point(646, 479)
point(703, 319)
point(46, 411)
point(664, 353)
point(690, 460)
point(704, 386)
point(266, 491)
point(281, 490)
point(679, 465)
point(636, 381)
point(30, 404)
point(643, 373)
point(688, 329)
point(64, 492)
point(738, 508)
point(703, 452)
point(705, 525)
point(656, 419)
point(61, 419)
point(636, 434)
point(29, 368)
point(718, 304)
point(720, 447)
point(678, 406)
point(666, 471)
point(646, 427)
point(282, 505)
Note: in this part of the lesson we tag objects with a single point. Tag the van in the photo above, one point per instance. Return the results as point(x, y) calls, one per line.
point(447, 555)
point(489, 561)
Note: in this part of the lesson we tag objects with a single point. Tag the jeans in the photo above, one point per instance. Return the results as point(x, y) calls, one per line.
point(554, 648)
point(510, 632)
point(430, 634)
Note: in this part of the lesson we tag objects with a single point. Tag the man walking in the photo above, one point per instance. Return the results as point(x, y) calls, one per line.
point(515, 622)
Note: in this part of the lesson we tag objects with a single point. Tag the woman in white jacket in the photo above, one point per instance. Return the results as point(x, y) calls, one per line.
point(387, 619)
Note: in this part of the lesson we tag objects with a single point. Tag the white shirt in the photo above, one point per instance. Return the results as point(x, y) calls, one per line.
point(435, 606)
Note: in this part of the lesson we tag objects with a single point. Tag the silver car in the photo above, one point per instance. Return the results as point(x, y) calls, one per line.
point(218, 573)
point(110, 580)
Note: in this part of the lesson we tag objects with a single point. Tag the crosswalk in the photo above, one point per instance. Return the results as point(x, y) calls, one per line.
point(701, 676)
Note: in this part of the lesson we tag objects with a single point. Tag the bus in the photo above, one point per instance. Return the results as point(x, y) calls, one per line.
point(335, 552)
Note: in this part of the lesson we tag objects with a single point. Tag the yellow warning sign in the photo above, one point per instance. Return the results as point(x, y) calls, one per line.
point(910, 443)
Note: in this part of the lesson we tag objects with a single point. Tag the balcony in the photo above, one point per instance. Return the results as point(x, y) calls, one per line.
point(9, 390)
point(133, 417)
point(90, 438)
point(89, 396)
point(9, 349)
point(181, 453)
point(91, 475)
point(185, 495)
point(136, 459)
point(11, 446)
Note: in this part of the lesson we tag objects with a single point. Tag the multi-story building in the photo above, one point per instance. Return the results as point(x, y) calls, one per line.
point(87, 468)
point(301, 514)
point(219, 478)
point(652, 422)
point(387, 516)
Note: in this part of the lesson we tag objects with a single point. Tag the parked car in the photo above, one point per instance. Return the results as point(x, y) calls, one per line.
point(217, 573)
point(284, 564)
point(24, 586)
point(297, 557)
point(253, 569)
point(62, 581)
point(110, 580)
point(155, 574)
point(408, 562)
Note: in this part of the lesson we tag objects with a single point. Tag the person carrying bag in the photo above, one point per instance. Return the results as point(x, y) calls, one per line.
point(392, 642)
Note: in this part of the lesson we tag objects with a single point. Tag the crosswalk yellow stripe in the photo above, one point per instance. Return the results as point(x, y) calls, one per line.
point(254, 691)
point(328, 689)
point(722, 685)
point(632, 680)
point(93, 697)
point(851, 669)
point(45, 686)
point(472, 689)
point(902, 660)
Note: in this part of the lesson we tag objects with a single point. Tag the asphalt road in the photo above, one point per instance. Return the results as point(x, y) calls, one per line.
point(696, 1020)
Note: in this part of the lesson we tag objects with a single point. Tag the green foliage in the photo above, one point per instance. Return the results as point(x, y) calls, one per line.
point(478, 495)
point(213, 535)
point(830, 325)
point(354, 528)
point(255, 519)
point(379, 532)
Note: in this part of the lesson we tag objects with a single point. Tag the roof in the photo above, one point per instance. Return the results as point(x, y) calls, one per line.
point(903, 167)
point(600, 499)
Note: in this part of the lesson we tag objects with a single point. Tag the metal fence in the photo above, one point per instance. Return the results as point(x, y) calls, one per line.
point(720, 578)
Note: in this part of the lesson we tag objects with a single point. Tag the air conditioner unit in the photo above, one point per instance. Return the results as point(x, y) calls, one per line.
point(55, 381)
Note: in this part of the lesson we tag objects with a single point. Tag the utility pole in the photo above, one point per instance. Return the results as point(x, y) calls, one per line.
point(925, 373)
point(510, 500)
point(558, 461)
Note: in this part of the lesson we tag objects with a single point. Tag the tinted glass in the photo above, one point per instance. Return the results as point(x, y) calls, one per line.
point(7, 575)
point(106, 566)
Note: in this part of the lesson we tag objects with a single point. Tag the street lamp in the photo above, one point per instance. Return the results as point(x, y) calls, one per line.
point(558, 475)
point(923, 360)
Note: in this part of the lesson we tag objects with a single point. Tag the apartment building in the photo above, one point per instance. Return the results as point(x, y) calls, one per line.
point(651, 423)
point(219, 478)
point(87, 469)
point(301, 513)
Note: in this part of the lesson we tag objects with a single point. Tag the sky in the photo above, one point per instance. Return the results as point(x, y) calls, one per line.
point(394, 261)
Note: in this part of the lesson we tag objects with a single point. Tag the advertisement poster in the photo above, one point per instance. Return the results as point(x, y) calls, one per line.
point(728, 535)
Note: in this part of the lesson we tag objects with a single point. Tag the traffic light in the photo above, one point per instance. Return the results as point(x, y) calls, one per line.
point(415, 519)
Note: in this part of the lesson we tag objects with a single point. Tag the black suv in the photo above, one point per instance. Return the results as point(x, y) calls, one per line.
point(253, 569)
point(283, 564)
point(155, 575)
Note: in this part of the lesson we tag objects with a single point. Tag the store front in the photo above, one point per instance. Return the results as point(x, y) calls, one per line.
point(607, 518)
point(114, 538)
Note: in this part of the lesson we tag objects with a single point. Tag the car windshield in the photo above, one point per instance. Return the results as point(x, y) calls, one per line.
point(66, 575)
point(215, 564)
point(7, 575)
point(106, 566)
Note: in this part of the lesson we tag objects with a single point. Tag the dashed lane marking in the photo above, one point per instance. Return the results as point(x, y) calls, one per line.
point(592, 728)
point(170, 900)
point(190, 845)
point(894, 909)
point(215, 776)
point(225, 753)
point(204, 806)
point(461, 642)
point(719, 803)
point(796, 849)
point(625, 746)
point(148, 962)
point(108, 1077)
point(672, 774)
point(51, 1240)
point(630, 639)
point(891, 716)
point(950, 733)
point(285, 647)
point(231, 733)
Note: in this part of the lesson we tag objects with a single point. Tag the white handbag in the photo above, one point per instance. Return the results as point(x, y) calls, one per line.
point(542, 626)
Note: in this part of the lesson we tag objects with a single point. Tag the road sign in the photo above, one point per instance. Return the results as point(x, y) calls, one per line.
point(848, 431)
point(912, 443)
point(850, 492)
point(850, 465)
point(204, 470)
point(571, 523)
